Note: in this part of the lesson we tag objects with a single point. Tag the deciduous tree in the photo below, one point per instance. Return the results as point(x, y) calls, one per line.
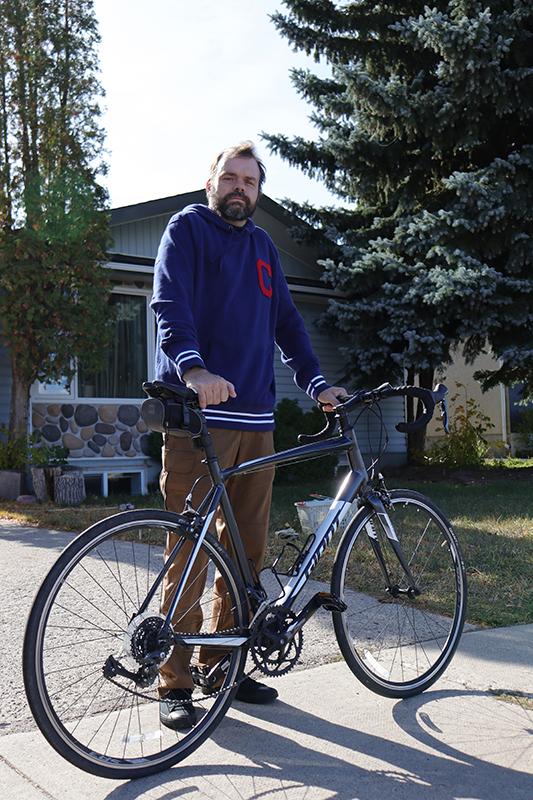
point(53, 215)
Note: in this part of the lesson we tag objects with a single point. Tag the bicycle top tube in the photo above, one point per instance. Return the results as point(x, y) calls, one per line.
point(175, 409)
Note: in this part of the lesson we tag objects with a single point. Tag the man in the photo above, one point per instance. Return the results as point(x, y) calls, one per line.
point(222, 304)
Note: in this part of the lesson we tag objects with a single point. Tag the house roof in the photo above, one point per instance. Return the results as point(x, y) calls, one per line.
point(137, 230)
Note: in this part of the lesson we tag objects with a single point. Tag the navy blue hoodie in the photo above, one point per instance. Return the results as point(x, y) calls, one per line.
point(222, 302)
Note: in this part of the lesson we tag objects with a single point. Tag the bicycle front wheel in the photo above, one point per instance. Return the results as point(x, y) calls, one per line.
point(87, 618)
point(397, 643)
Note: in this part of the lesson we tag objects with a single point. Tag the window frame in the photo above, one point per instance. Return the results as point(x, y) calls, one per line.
point(41, 392)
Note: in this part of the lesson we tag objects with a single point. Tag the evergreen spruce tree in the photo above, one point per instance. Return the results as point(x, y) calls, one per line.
point(53, 218)
point(426, 125)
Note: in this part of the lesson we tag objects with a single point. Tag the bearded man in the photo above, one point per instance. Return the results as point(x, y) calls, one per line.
point(222, 305)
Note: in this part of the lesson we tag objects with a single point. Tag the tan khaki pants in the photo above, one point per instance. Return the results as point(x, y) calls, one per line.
point(250, 497)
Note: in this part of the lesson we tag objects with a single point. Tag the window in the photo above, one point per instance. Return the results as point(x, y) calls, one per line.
point(127, 355)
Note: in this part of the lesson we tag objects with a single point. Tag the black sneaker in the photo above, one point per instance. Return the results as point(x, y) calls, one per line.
point(251, 691)
point(176, 710)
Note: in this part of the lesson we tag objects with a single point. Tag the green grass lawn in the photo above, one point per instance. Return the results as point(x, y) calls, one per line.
point(493, 520)
point(494, 524)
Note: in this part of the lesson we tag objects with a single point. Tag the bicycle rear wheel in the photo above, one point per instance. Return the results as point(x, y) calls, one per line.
point(86, 612)
point(399, 645)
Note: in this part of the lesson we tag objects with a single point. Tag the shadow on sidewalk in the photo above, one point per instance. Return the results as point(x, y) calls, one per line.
point(443, 745)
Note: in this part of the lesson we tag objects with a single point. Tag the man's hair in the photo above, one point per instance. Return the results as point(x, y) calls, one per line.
point(241, 150)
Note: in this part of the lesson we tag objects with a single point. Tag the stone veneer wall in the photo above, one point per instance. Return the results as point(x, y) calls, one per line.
point(105, 430)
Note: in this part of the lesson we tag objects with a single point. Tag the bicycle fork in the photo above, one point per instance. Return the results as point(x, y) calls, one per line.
point(394, 590)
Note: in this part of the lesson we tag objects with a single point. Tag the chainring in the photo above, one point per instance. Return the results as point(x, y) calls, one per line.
point(272, 651)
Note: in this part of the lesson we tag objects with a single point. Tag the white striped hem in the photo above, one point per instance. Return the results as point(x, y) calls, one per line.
point(236, 417)
point(186, 356)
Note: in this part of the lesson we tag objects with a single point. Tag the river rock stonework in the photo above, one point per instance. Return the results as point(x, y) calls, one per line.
point(93, 430)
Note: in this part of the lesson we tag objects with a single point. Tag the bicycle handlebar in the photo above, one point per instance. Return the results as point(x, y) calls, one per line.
point(163, 391)
point(428, 397)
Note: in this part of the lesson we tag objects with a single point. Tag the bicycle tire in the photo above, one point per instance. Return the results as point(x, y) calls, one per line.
point(80, 617)
point(399, 646)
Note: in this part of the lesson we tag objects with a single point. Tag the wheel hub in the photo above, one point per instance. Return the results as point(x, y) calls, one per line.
point(142, 641)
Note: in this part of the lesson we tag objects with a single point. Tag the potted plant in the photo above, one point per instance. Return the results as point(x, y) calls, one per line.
point(14, 451)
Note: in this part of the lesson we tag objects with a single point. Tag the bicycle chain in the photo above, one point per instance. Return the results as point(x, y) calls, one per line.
point(273, 673)
point(212, 694)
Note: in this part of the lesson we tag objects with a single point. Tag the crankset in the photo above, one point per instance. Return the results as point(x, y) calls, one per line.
point(273, 651)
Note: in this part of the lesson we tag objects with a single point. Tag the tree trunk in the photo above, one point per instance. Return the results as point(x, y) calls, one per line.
point(416, 440)
point(69, 489)
point(44, 479)
point(20, 399)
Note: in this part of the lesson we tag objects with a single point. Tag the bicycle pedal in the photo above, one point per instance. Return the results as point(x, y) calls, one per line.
point(331, 602)
point(206, 677)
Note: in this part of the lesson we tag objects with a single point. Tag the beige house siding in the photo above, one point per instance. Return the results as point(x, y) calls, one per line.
point(493, 403)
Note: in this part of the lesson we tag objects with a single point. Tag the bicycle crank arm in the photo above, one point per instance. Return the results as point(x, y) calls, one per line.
point(208, 678)
point(320, 600)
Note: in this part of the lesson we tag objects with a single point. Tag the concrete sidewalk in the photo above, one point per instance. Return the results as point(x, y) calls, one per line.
point(329, 737)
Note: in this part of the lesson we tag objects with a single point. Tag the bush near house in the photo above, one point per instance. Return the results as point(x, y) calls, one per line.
point(290, 421)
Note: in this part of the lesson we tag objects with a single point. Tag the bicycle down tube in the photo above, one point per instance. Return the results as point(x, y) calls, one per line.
point(348, 492)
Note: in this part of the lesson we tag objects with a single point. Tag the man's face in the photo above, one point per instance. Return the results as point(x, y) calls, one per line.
point(234, 190)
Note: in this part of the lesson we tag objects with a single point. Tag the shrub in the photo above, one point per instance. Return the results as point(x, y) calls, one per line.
point(465, 447)
point(155, 443)
point(14, 450)
point(22, 450)
point(525, 429)
point(48, 455)
point(290, 421)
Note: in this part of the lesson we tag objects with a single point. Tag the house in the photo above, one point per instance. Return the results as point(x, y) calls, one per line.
point(500, 405)
point(97, 417)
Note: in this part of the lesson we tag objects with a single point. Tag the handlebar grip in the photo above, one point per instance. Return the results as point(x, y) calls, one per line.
point(428, 399)
point(326, 433)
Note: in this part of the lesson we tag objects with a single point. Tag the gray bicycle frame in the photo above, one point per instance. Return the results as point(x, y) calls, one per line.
point(349, 490)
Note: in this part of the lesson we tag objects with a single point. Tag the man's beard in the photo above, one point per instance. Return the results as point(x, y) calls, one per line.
point(234, 212)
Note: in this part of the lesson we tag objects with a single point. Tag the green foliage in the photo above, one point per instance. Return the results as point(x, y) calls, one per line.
point(290, 421)
point(155, 443)
point(14, 451)
point(45, 455)
point(22, 450)
point(53, 217)
point(425, 127)
point(465, 447)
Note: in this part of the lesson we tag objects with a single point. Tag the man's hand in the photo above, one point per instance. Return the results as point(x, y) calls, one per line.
point(211, 389)
point(330, 397)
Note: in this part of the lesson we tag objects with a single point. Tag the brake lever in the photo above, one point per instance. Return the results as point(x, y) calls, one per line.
point(444, 414)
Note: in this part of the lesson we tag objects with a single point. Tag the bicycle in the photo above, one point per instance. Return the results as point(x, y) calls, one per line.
point(96, 637)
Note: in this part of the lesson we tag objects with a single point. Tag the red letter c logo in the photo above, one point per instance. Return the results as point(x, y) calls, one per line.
point(262, 265)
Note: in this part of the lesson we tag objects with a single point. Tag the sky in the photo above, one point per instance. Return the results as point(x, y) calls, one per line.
point(186, 78)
